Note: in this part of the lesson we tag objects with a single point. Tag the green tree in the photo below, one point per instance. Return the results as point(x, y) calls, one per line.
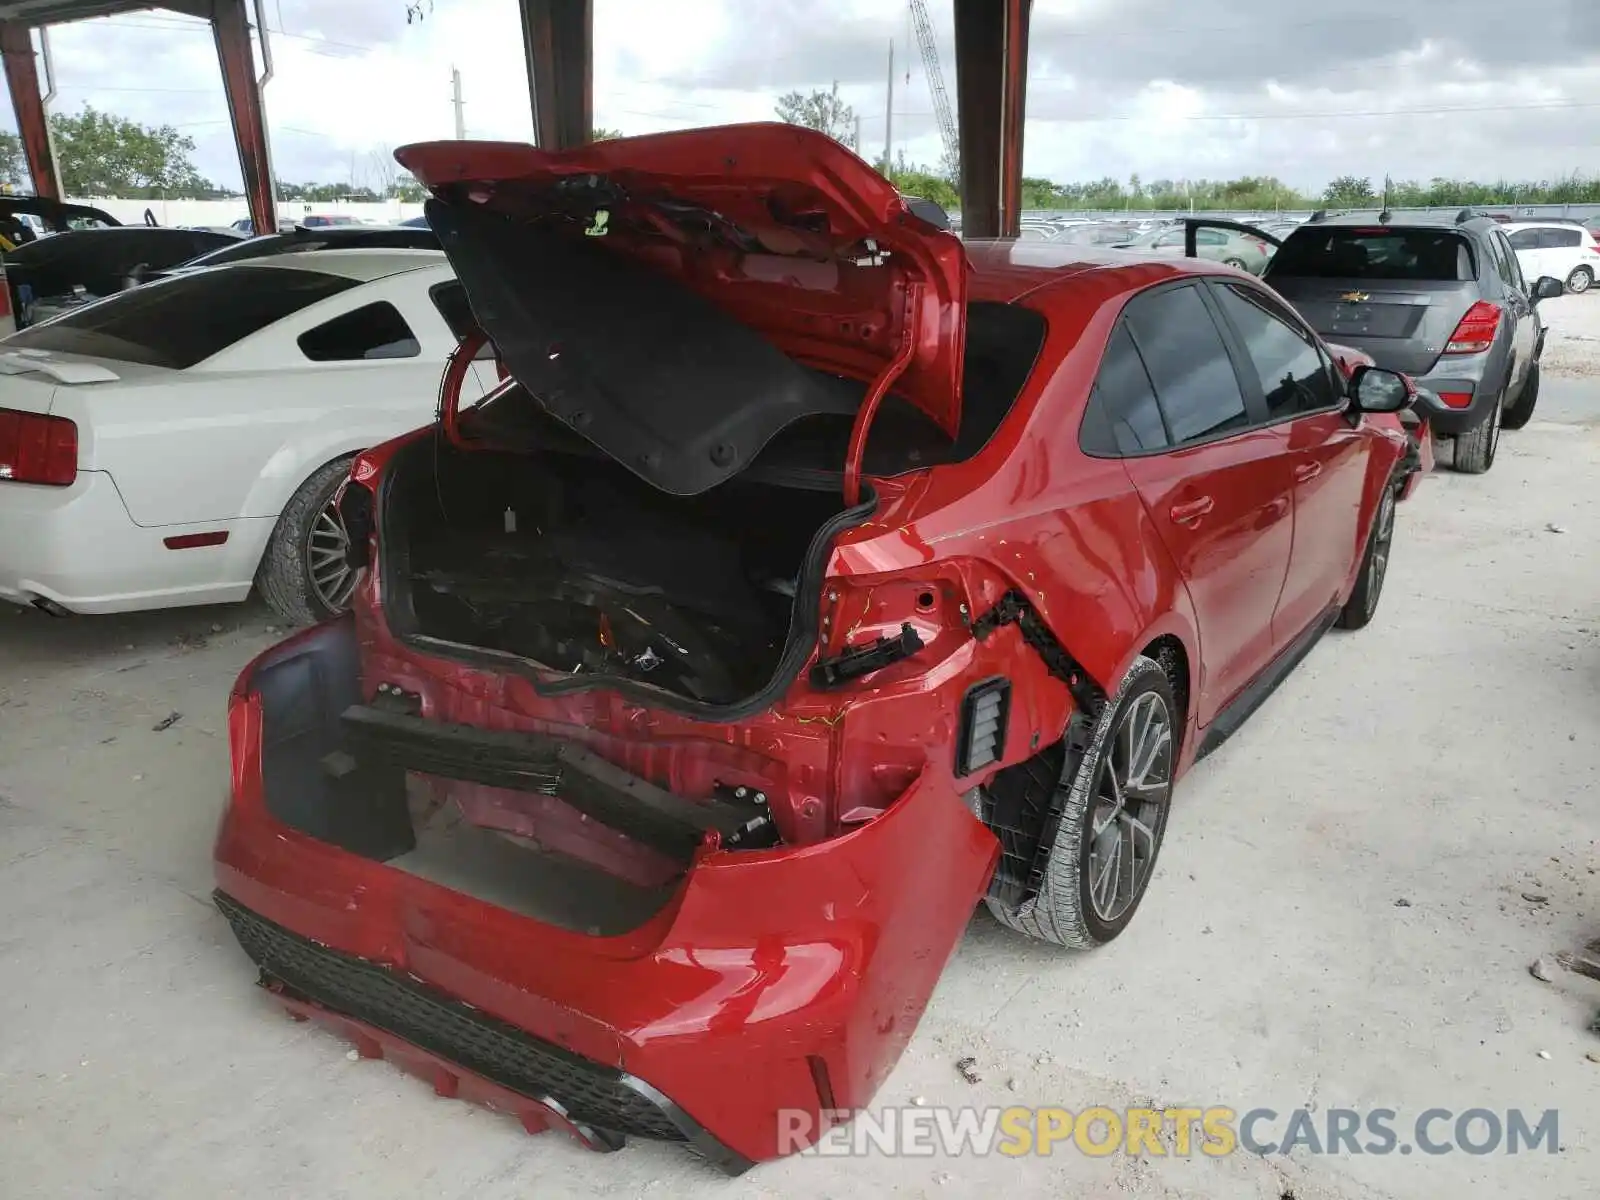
point(13, 161)
point(1349, 191)
point(925, 182)
point(604, 135)
point(101, 154)
point(822, 111)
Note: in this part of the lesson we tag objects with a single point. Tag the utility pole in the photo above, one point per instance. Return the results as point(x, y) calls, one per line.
point(455, 100)
point(888, 116)
point(856, 146)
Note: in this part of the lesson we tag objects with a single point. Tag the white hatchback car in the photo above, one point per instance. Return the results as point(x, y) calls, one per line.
point(1562, 251)
point(182, 441)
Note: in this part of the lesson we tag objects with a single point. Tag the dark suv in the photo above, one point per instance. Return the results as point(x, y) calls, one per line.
point(1438, 297)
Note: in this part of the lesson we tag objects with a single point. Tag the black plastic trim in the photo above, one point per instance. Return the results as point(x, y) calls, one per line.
point(532, 762)
point(1239, 710)
point(969, 703)
point(689, 1131)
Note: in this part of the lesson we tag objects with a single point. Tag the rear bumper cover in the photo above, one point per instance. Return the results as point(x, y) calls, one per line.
point(784, 979)
point(1441, 417)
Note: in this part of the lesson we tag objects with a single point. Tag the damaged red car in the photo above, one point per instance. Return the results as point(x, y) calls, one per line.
point(809, 578)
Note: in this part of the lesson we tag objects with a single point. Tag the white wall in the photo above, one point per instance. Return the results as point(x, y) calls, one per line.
point(226, 212)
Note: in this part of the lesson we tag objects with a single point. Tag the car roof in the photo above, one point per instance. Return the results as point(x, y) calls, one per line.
point(1422, 220)
point(1007, 271)
point(1542, 223)
point(362, 264)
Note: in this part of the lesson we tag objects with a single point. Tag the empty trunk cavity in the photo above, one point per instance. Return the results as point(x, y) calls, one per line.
point(574, 564)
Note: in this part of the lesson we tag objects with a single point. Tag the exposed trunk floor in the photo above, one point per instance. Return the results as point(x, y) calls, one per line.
point(558, 890)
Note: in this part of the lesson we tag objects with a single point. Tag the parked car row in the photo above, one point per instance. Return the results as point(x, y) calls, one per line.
point(737, 583)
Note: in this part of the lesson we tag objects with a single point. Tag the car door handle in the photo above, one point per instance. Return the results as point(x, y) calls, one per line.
point(1306, 472)
point(1191, 511)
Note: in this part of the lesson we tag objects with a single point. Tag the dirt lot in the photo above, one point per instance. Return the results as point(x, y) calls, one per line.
point(1339, 919)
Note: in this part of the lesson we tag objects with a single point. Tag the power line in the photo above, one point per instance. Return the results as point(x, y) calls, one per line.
point(1333, 116)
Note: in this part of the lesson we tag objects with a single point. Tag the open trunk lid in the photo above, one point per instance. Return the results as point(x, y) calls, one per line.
point(664, 295)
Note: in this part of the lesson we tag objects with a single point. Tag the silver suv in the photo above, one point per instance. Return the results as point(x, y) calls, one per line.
point(1442, 299)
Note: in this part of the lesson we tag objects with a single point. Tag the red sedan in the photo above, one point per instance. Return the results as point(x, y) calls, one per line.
point(809, 578)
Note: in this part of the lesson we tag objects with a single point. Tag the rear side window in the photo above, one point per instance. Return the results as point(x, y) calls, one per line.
point(1188, 363)
point(1127, 418)
point(182, 321)
point(1505, 260)
point(371, 331)
point(1294, 377)
point(1560, 239)
point(1345, 252)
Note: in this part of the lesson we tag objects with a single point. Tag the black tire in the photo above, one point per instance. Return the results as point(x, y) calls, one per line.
point(1065, 912)
point(1358, 611)
point(1520, 413)
point(284, 577)
point(1476, 448)
point(1580, 281)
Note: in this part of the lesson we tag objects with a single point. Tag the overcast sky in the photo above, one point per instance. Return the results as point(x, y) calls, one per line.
point(1163, 88)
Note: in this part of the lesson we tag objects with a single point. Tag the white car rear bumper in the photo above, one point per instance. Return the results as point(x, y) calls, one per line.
point(78, 548)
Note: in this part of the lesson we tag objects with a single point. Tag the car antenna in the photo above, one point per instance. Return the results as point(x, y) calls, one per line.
point(1316, 216)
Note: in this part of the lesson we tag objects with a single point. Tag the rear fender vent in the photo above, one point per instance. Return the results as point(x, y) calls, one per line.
point(981, 739)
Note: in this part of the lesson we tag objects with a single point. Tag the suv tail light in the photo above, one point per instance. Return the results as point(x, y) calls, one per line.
point(37, 449)
point(1476, 331)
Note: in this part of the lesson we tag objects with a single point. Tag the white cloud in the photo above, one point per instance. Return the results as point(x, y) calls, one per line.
point(1146, 86)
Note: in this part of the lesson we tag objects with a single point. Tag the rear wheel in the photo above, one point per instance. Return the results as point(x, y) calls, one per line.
point(1113, 819)
point(304, 574)
point(1581, 280)
point(1520, 413)
point(1475, 449)
point(1363, 603)
point(1238, 264)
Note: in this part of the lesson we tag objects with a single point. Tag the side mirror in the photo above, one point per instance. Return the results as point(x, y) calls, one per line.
point(1547, 288)
point(1375, 390)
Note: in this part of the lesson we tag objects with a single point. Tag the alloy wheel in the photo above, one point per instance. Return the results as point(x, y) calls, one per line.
point(1381, 541)
point(327, 560)
point(1131, 796)
point(1580, 280)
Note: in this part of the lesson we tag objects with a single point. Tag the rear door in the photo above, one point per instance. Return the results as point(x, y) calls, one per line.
point(1217, 487)
point(1304, 397)
point(1396, 293)
point(1521, 320)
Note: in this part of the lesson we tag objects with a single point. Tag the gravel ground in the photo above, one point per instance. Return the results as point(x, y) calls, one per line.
point(1339, 919)
point(1572, 347)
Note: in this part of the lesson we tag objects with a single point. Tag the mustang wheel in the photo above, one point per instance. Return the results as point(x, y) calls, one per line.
point(1581, 280)
point(1113, 818)
point(1363, 603)
point(1520, 413)
point(304, 574)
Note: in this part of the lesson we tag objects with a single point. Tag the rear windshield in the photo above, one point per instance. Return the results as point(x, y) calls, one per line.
point(1352, 253)
point(184, 320)
point(1003, 344)
point(296, 243)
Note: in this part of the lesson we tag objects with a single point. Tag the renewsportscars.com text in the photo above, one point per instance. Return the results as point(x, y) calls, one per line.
point(1160, 1132)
